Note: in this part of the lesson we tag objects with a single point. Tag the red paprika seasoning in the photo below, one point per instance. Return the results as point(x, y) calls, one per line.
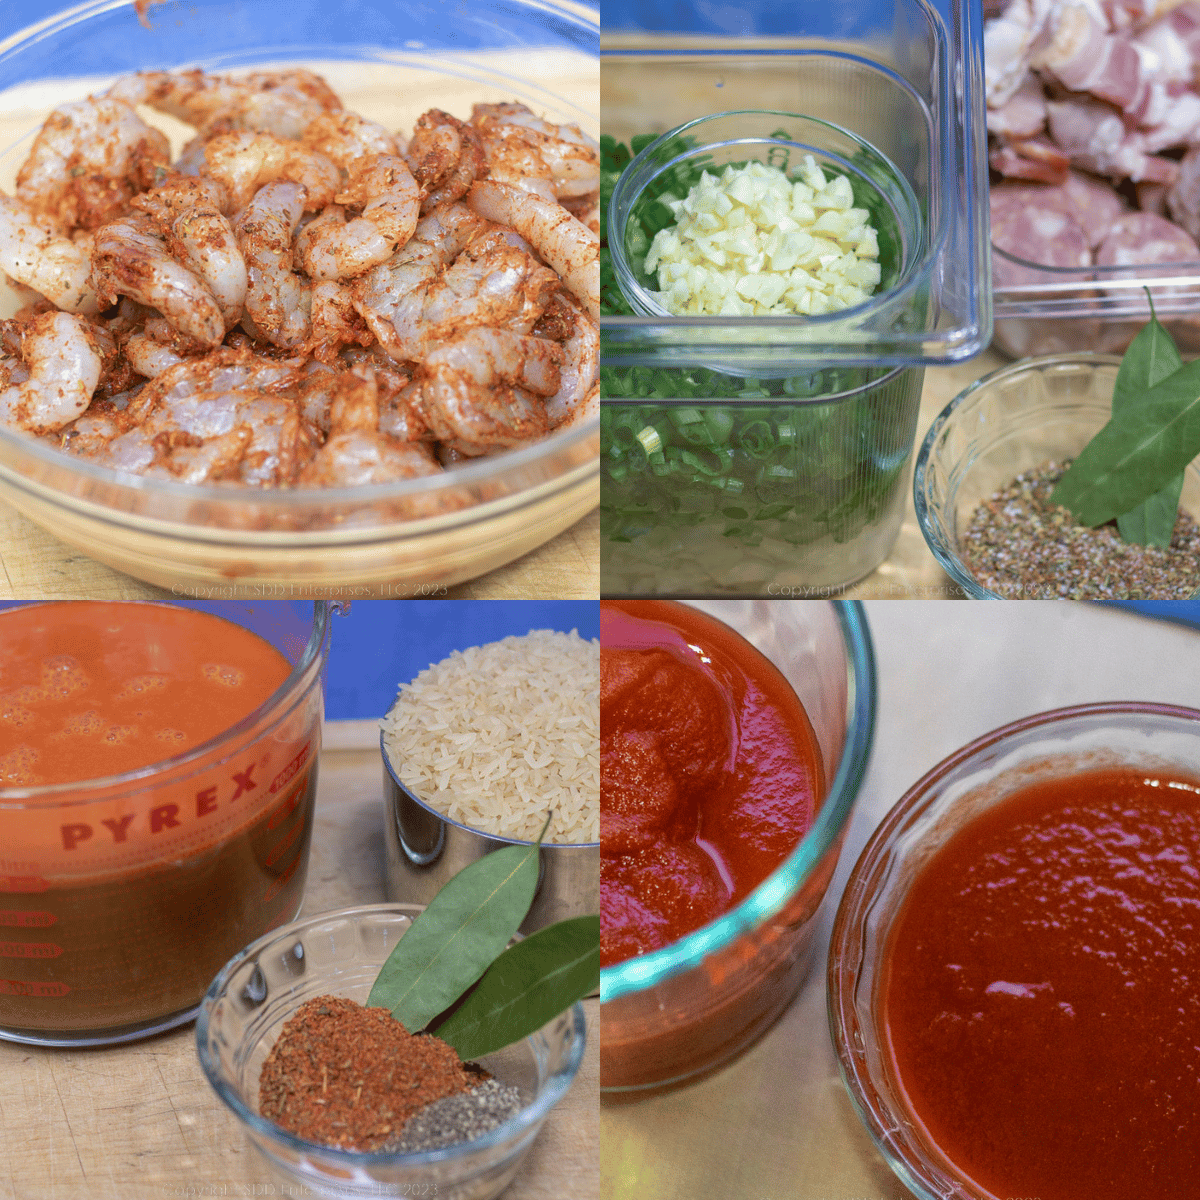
point(350, 1077)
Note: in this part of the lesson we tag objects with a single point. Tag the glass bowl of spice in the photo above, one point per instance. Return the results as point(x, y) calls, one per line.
point(677, 1000)
point(1021, 910)
point(983, 479)
point(395, 1107)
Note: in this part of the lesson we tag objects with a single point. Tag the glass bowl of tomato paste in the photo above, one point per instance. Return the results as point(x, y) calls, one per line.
point(158, 768)
point(681, 1010)
point(1011, 974)
point(339, 953)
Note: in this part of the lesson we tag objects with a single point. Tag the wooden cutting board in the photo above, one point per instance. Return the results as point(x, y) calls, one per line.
point(141, 1120)
point(35, 565)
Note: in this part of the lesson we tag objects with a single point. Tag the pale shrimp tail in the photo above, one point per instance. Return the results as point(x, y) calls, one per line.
point(64, 363)
point(244, 162)
point(390, 203)
point(36, 256)
point(131, 259)
point(564, 243)
point(278, 301)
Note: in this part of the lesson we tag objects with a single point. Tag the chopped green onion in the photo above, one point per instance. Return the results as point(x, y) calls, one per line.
point(650, 440)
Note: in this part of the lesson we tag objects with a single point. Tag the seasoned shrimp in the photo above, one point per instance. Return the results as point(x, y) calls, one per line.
point(243, 162)
point(90, 158)
point(391, 295)
point(445, 156)
point(390, 203)
point(278, 301)
point(33, 253)
point(335, 322)
point(198, 234)
point(524, 150)
point(348, 139)
point(279, 102)
point(54, 385)
point(578, 371)
point(569, 247)
point(475, 390)
point(131, 259)
point(356, 452)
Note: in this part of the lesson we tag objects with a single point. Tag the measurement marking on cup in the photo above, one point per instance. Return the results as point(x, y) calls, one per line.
point(281, 848)
point(18, 987)
point(29, 950)
point(22, 883)
point(27, 919)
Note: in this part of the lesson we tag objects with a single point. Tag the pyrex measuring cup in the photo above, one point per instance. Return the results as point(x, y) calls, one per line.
point(121, 898)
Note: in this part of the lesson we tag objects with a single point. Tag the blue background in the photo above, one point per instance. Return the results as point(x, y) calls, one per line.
point(380, 644)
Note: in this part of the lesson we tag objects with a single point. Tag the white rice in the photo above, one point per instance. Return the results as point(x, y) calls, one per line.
point(496, 736)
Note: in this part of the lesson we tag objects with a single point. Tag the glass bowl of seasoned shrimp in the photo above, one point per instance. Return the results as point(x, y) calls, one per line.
point(302, 298)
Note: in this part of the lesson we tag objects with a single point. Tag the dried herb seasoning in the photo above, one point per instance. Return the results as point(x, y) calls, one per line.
point(353, 1077)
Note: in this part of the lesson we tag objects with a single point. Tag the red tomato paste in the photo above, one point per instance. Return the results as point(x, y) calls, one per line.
point(1042, 991)
point(90, 689)
point(709, 768)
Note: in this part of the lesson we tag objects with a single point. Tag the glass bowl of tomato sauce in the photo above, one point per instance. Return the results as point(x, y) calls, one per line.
point(1011, 974)
point(158, 769)
point(679, 1010)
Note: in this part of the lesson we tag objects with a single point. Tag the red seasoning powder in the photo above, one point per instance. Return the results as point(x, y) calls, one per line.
point(350, 1077)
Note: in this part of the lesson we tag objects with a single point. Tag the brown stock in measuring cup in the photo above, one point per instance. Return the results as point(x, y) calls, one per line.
point(121, 899)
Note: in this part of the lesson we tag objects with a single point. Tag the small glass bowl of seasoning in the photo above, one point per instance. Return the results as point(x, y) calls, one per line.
point(1067, 840)
point(1013, 423)
point(339, 954)
point(678, 1012)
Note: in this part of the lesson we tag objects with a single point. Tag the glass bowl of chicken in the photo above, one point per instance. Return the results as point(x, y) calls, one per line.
point(308, 301)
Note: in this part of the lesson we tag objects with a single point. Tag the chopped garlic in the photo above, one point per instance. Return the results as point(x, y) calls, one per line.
point(752, 242)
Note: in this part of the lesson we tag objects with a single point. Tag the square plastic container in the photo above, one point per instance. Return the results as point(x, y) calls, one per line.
point(901, 77)
point(1065, 309)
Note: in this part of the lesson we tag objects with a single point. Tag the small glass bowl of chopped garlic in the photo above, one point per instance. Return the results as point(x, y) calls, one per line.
point(765, 214)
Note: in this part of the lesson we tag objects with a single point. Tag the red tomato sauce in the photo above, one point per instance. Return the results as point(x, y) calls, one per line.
point(90, 689)
point(1042, 991)
point(710, 772)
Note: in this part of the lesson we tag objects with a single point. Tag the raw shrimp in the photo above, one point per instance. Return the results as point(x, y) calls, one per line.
point(580, 364)
point(34, 254)
point(490, 283)
point(90, 158)
point(356, 452)
point(390, 296)
point(131, 259)
point(278, 301)
point(568, 246)
point(445, 155)
point(523, 150)
point(348, 139)
point(198, 234)
point(390, 202)
point(243, 162)
point(62, 364)
point(279, 102)
point(335, 321)
point(475, 390)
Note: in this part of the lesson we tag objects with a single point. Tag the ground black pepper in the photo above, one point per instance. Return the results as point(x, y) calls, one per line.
point(351, 1077)
point(1022, 547)
point(460, 1118)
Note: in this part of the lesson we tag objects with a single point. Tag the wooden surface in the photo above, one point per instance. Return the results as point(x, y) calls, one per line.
point(141, 1120)
point(34, 565)
point(778, 1124)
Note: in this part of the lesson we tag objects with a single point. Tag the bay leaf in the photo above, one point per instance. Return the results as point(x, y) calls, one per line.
point(528, 985)
point(1137, 453)
point(1151, 357)
point(462, 930)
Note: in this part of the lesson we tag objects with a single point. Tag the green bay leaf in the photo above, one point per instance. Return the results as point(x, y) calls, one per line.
point(450, 945)
point(528, 985)
point(1141, 449)
point(1152, 356)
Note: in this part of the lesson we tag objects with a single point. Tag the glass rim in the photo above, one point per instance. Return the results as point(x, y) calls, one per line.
point(46, 795)
point(648, 970)
point(924, 252)
point(848, 956)
point(531, 1114)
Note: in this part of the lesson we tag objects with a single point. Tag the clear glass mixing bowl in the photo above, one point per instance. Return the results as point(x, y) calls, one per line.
point(384, 58)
